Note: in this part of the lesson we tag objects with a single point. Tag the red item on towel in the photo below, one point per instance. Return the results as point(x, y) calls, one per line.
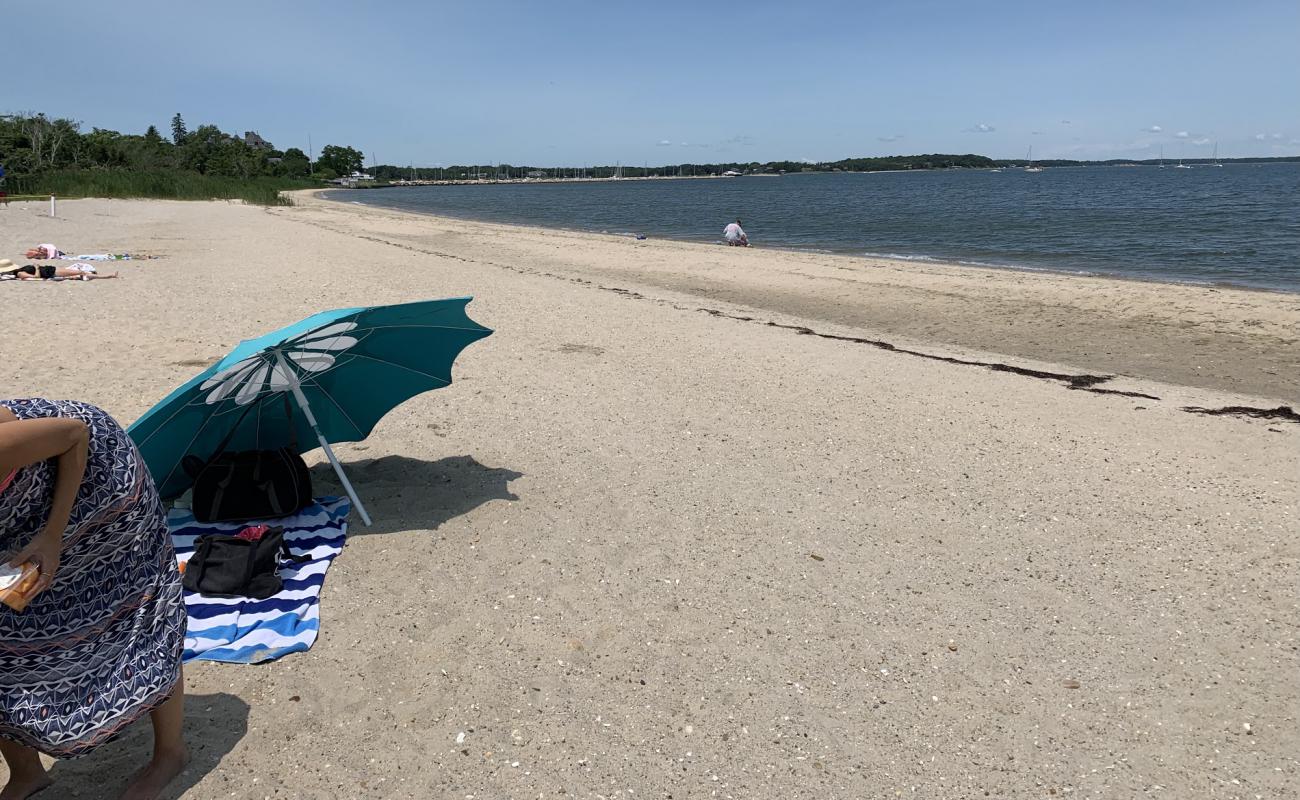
point(253, 532)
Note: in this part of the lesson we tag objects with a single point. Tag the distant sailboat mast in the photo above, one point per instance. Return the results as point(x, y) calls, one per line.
point(1030, 159)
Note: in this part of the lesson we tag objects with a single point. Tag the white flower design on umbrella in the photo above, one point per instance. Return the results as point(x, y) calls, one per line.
point(313, 351)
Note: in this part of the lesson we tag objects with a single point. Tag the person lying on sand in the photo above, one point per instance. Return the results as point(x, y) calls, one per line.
point(44, 251)
point(46, 272)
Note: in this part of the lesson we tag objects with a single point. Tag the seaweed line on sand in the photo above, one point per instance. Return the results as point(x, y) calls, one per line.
point(1085, 383)
point(1283, 413)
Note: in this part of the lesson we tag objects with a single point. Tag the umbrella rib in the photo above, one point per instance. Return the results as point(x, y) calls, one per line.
point(164, 423)
point(361, 331)
point(353, 354)
point(186, 451)
point(417, 325)
point(327, 396)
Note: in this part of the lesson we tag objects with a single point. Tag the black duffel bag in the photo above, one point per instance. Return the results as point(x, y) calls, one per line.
point(228, 566)
point(250, 484)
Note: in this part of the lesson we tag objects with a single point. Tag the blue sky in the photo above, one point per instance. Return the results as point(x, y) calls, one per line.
point(554, 82)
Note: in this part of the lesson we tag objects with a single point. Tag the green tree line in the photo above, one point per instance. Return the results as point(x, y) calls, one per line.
point(40, 154)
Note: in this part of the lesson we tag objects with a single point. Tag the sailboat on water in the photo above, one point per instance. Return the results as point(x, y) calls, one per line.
point(1217, 163)
point(1162, 156)
point(1180, 164)
point(1030, 159)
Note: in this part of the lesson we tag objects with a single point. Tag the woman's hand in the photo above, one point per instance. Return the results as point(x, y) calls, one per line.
point(43, 551)
point(67, 441)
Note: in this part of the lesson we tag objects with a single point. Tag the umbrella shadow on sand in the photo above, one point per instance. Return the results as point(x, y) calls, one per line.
point(214, 724)
point(404, 493)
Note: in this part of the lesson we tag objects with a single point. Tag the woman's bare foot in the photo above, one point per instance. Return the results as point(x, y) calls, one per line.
point(149, 782)
point(21, 787)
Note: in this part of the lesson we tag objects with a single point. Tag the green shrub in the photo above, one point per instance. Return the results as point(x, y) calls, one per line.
point(157, 183)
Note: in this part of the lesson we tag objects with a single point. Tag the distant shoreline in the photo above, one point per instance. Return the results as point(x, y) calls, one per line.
point(520, 181)
point(995, 165)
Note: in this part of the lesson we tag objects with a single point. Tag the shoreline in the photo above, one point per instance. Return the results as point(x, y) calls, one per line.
point(1223, 338)
point(849, 253)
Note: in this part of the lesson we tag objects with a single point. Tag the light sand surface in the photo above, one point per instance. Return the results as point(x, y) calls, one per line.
point(639, 550)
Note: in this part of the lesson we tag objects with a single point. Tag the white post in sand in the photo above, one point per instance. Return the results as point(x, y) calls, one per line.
point(52, 209)
point(296, 387)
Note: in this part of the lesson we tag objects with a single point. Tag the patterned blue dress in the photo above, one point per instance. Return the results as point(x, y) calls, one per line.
point(102, 646)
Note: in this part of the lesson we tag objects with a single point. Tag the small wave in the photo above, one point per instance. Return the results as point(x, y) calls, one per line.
point(966, 262)
point(900, 256)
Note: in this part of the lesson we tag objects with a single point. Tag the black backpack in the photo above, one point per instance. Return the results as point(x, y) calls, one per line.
point(228, 566)
point(250, 484)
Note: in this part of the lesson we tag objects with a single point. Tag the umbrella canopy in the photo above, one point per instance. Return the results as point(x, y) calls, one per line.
point(343, 370)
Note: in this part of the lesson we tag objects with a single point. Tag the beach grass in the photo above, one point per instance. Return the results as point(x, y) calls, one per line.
point(160, 184)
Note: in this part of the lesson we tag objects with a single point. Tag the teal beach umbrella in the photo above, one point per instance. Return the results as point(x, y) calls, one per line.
point(343, 371)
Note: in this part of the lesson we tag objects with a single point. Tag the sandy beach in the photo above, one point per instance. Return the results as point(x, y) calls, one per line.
point(708, 522)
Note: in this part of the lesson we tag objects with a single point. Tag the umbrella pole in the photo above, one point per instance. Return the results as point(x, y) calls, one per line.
point(329, 453)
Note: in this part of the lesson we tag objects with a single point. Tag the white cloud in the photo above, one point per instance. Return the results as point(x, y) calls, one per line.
point(684, 144)
point(893, 138)
point(1295, 141)
point(981, 128)
point(1277, 136)
point(1035, 133)
point(1201, 141)
point(1183, 135)
point(663, 143)
point(1259, 137)
point(1153, 129)
point(1065, 122)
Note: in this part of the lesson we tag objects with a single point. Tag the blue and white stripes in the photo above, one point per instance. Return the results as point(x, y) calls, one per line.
point(247, 631)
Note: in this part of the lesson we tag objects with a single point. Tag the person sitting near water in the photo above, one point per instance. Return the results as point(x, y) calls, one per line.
point(45, 272)
point(41, 251)
point(735, 235)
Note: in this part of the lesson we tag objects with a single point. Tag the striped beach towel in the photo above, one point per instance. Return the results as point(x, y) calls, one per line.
point(248, 631)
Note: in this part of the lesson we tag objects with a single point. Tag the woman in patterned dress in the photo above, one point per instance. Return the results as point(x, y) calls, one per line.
point(100, 645)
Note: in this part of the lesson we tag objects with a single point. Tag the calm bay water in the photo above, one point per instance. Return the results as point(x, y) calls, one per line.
point(1238, 224)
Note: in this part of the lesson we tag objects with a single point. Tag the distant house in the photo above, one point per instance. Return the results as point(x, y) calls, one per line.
point(256, 142)
point(536, 173)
